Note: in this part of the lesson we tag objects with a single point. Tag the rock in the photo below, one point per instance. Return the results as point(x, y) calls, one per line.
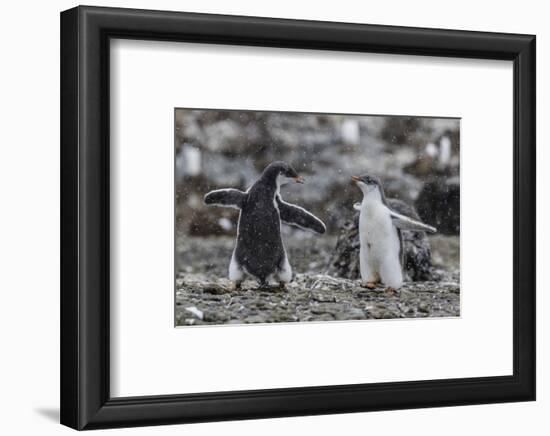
point(424, 307)
point(319, 308)
point(254, 319)
point(354, 313)
point(323, 298)
point(216, 317)
point(214, 221)
point(439, 205)
point(417, 254)
point(215, 289)
point(198, 313)
point(406, 295)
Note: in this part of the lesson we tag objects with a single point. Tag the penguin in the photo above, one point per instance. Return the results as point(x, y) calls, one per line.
point(381, 242)
point(259, 250)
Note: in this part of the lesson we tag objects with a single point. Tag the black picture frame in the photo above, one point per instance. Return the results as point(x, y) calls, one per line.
point(85, 399)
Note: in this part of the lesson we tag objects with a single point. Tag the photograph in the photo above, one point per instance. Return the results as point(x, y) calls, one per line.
point(297, 217)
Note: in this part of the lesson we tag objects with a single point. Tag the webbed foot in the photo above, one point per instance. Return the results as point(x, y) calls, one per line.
point(391, 291)
point(368, 285)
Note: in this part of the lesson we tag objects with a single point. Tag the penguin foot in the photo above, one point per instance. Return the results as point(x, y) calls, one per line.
point(282, 286)
point(236, 286)
point(368, 285)
point(391, 291)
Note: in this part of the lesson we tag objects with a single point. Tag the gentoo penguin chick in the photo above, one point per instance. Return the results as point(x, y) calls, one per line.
point(259, 250)
point(381, 243)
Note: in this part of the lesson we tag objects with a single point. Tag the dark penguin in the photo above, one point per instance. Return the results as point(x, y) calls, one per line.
point(259, 250)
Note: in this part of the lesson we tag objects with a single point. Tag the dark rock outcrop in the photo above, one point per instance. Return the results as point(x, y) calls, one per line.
point(439, 205)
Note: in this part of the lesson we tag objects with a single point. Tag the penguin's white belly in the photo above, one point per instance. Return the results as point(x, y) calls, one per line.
point(379, 235)
point(380, 247)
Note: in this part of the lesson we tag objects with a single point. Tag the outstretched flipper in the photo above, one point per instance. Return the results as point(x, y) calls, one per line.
point(225, 197)
point(298, 216)
point(403, 222)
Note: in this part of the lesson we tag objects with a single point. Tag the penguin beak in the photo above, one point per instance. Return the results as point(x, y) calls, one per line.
point(299, 179)
point(355, 179)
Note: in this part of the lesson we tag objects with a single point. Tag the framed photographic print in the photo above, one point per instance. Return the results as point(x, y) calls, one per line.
point(266, 217)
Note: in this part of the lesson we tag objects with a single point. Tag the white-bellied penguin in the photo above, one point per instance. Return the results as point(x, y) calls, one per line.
point(259, 250)
point(381, 242)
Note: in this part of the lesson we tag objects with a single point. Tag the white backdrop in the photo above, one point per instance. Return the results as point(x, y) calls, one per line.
point(29, 168)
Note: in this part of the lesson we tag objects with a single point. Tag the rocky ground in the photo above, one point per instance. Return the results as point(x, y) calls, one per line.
point(204, 294)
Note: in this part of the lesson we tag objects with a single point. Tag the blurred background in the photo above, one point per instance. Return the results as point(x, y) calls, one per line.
point(417, 159)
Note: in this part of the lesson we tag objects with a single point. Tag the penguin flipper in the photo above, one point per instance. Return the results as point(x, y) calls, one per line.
point(225, 197)
point(403, 222)
point(298, 216)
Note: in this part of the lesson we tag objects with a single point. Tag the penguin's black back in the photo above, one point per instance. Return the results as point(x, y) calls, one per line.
point(260, 247)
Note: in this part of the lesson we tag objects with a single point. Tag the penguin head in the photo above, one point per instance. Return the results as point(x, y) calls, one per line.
point(282, 172)
point(367, 183)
